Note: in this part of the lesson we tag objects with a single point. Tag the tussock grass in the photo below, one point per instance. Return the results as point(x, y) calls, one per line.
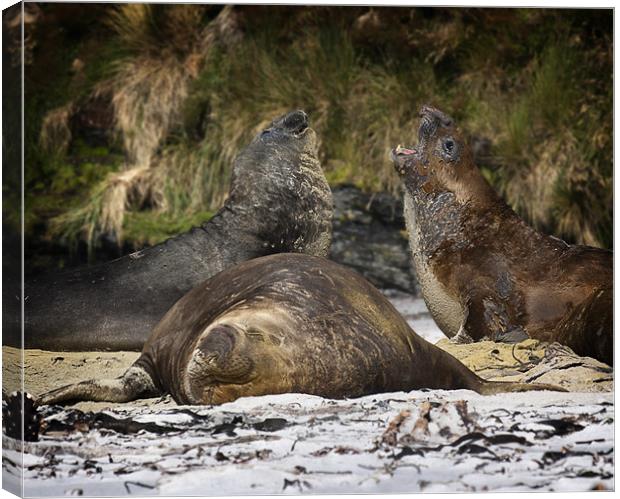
point(359, 110)
point(164, 50)
point(188, 92)
point(55, 134)
point(148, 87)
point(145, 228)
point(81, 222)
point(547, 170)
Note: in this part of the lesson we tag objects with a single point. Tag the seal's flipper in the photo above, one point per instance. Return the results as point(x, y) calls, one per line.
point(493, 387)
point(595, 314)
point(485, 318)
point(461, 337)
point(135, 383)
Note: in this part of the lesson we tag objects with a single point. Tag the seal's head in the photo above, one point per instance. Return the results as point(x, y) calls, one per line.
point(241, 350)
point(280, 188)
point(273, 164)
point(288, 136)
point(442, 160)
point(275, 154)
point(219, 357)
point(291, 130)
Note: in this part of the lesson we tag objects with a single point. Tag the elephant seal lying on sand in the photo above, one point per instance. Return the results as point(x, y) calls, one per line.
point(279, 202)
point(277, 324)
point(483, 271)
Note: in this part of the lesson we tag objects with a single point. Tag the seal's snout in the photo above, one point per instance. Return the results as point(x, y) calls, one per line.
point(295, 122)
point(433, 114)
point(432, 120)
point(219, 343)
point(399, 156)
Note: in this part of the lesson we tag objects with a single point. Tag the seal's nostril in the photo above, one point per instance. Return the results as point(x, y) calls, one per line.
point(296, 121)
point(431, 120)
point(433, 114)
point(425, 110)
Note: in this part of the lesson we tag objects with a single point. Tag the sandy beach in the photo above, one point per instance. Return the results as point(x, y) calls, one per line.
point(424, 440)
point(527, 361)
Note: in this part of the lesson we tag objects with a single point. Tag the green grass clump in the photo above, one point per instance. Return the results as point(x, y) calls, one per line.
point(547, 146)
point(147, 229)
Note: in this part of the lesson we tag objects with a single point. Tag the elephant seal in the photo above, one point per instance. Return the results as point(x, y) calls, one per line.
point(483, 271)
point(279, 201)
point(279, 324)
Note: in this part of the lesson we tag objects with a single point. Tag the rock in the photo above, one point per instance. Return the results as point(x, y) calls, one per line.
point(369, 236)
point(533, 361)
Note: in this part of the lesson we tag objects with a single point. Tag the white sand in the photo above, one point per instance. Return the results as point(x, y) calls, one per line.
point(375, 444)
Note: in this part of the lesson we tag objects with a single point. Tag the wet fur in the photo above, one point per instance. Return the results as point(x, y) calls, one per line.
point(505, 280)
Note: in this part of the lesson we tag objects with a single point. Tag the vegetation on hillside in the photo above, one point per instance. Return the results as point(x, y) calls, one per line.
point(175, 91)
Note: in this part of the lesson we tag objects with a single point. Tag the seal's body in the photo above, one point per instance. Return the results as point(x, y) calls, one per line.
point(483, 271)
point(279, 202)
point(278, 324)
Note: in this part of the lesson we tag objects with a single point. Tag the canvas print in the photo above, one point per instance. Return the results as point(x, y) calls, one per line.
point(254, 249)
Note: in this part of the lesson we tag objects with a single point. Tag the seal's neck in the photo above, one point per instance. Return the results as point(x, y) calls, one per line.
point(469, 188)
point(432, 219)
point(231, 236)
point(288, 208)
point(446, 221)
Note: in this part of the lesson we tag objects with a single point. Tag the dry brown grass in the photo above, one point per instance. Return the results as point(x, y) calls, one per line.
point(149, 87)
point(55, 134)
point(166, 48)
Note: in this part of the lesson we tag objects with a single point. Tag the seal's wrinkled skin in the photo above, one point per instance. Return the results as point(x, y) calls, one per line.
point(279, 202)
point(278, 324)
point(483, 271)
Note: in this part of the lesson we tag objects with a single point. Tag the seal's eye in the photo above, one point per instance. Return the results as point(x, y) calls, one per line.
point(449, 149)
point(265, 132)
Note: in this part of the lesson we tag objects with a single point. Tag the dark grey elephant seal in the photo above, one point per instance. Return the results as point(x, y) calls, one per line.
point(483, 271)
point(278, 324)
point(279, 202)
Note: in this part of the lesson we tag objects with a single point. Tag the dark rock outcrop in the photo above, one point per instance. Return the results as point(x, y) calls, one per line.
point(369, 236)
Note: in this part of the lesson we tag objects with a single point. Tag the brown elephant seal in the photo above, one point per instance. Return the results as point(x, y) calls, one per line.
point(278, 324)
point(483, 271)
point(279, 201)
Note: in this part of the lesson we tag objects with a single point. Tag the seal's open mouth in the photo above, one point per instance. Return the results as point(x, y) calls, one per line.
point(402, 152)
point(401, 157)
